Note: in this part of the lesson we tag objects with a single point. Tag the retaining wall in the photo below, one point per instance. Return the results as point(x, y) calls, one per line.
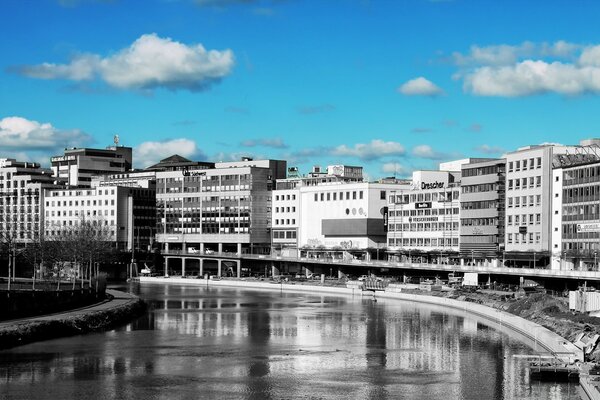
point(548, 340)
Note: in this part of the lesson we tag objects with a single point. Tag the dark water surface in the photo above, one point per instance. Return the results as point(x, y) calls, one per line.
point(218, 343)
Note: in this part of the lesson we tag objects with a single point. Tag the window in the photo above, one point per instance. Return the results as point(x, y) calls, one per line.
point(510, 166)
point(539, 162)
point(510, 184)
point(316, 197)
point(538, 181)
point(353, 195)
point(509, 220)
point(381, 195)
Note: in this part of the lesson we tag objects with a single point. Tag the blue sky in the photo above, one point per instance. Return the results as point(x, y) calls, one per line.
point(390, 85)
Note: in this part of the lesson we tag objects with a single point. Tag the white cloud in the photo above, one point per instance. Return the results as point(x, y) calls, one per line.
point(420, 87)
point(375, 149)
point(503, 54)
point(533, 77)
point(393, 168)
point(426, 151)
point(17, 133)
point(150, 62)
point(148, 153)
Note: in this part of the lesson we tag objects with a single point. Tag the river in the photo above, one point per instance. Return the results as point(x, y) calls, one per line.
point(226, 343)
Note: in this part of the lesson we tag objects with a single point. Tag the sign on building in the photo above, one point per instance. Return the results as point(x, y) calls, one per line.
point(589, 227)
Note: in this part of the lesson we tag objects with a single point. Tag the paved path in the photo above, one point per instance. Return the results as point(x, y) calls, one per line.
point(117, 299)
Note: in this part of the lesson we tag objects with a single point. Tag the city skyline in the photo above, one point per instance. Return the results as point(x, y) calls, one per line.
point(391, 86)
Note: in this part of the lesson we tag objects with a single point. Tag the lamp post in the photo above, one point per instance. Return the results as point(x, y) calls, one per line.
point(534, 260)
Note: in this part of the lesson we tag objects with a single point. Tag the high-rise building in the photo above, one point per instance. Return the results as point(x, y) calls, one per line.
point(77, 166)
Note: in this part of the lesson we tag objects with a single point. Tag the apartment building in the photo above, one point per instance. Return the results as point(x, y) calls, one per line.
point(22, 187)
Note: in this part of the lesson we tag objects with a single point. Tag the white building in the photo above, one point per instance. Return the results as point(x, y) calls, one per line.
point(424, 219)
point(529, 210)
point(127, 213)
point(329, 211)
point(22, 187)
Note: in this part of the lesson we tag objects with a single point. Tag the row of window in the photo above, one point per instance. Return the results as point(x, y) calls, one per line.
point(423, 227)
point(285, 197)
point(285, 221)
point(425, 212)
point(534, 181)
point(480, 205)
point(333, 196)
point(285, 209)
point(100, 192)
point(524, 238)
point(423, 242)
point(77, 213)
point(427, 196)
point(522, 219)
point(284, 234)
point(76, 203)
point(534, 200)
point(525, 164)
point(491, 170)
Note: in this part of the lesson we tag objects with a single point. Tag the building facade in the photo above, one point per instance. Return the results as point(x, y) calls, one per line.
point(576, 219)
point(125, 214)
point(482, 214)
point(529, 199)
point(423, 221)
point(226, 208)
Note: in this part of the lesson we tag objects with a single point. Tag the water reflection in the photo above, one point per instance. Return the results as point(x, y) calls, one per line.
point(198, 342)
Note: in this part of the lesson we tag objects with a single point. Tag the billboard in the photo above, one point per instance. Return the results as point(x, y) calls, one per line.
point(589, 227)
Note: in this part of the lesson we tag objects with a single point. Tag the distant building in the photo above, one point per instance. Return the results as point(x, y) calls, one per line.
point(77, 166)
point(22, 187)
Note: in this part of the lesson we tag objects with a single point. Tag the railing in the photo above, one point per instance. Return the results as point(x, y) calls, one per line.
point(490, 269)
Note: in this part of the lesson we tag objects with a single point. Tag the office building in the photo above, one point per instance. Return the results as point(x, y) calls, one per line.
point(77, 166)
point(576, 208)
point(126, 214)
point(225, 208)
point(528, 233)
point(424, 219)
point(482, 213)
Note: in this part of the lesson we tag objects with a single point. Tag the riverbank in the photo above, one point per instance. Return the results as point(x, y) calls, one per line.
point(548, 340)
point(118, 309)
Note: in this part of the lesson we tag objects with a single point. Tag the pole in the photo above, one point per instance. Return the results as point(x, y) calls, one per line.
point(534, 260)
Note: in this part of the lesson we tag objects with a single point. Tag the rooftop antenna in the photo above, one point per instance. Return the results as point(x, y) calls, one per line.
point(116, 140)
